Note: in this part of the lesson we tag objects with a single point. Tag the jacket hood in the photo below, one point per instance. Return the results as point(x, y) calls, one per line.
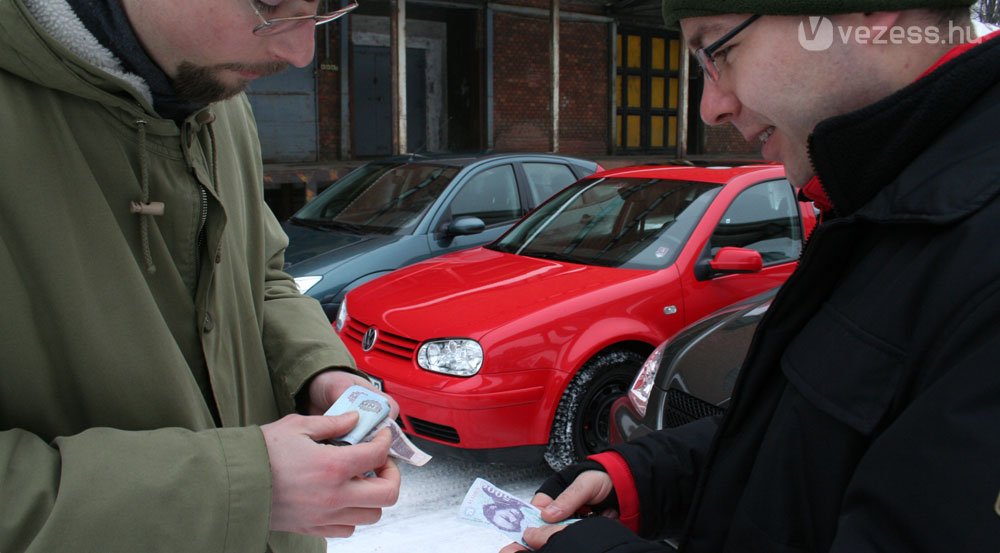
point(44, 41)
point(474, 292)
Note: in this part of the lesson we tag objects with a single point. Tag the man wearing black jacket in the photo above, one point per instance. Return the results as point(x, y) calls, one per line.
point(865, 416)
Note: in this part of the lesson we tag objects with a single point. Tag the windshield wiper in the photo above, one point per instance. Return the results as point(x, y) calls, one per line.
point(553, 256)
point(308, 223)
point(340, 225)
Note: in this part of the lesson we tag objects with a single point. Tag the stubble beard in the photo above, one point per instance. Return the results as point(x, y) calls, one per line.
point(201, 84)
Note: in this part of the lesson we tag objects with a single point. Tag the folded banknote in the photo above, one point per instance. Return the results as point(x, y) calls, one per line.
point(373, 410)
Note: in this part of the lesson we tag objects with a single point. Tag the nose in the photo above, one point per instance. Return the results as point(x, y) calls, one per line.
point(718, 104)
point(297, 46)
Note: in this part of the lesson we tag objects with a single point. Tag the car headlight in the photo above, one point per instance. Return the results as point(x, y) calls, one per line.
point(456, 356)
point(307, 282)
point(638, 394)
point(338, 323)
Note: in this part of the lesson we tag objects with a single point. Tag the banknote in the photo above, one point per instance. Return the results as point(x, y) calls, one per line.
point(402, 448)
point(490, 506)
point(372, 409)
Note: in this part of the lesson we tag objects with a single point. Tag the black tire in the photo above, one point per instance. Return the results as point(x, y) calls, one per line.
point(580, 427)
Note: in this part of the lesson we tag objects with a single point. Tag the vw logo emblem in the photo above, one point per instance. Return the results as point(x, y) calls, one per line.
point(368, 342)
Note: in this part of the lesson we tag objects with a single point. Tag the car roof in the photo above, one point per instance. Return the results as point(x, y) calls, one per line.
point(721, 174)
point(465, 159)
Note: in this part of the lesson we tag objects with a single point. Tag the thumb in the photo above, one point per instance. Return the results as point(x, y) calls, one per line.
point(321, 428)
point(579, 493)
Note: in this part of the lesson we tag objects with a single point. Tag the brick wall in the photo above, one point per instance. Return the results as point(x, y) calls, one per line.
point(521, 86)
point(725, 140)
point(328, 91)
point(583, 82)
point(520, 83)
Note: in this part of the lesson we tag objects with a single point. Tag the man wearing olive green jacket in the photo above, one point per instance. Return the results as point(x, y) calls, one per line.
point(149, 340)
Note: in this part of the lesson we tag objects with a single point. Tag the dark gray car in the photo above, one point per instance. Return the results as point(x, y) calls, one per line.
point(690, 376)
point(394, 212)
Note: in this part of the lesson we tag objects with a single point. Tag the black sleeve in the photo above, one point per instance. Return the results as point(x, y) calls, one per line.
point(601, 535)
point(666, 466)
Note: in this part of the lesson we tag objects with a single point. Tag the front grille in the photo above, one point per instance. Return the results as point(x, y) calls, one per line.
point(387, 343)
point(432, 430)
point(683, 408)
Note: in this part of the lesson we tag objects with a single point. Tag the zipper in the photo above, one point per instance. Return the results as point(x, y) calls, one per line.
point(201, 231)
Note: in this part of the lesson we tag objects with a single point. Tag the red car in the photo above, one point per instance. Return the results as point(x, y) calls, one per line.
point(517, 349)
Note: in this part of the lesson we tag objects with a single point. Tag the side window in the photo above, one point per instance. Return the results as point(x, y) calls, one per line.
point(765, 218)
point(545, 179)
point(491, 195)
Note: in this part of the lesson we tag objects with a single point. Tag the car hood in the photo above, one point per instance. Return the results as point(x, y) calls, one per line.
point(327, 248)
point(473, 292)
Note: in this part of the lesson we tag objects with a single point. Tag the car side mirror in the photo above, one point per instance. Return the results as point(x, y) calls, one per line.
point(464, 226)
point(737, 260)
point(729, 260)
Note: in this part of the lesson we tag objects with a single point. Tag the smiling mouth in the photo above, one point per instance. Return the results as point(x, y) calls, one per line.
point(765, 135)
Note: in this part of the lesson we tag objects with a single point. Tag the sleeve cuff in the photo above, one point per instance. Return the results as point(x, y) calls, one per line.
point(624, 484)
point(249, 474)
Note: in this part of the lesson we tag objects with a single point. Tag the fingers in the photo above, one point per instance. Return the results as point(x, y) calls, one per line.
point(326, 387)
point(381, 490)
point(537, 537)
point(513, 548)
point(321, 428)
point(365, 456)
point(343, 525)
point(590, 487)
point(541, 500)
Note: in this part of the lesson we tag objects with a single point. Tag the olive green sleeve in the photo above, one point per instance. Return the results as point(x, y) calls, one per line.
point(107, 490)
point(298, 339)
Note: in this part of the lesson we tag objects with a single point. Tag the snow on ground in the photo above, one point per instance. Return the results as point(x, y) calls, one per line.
point(425, 520)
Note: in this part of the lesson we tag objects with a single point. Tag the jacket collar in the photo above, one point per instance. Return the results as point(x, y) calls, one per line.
point(858, 154)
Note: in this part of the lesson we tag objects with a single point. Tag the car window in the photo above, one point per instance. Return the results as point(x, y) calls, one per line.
point(613, 222)
point(491, 195)
point(764, 218)
point(379, 197)
point(545, 179)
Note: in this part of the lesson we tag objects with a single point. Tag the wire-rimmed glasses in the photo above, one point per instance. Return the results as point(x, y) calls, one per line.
point(277, 25)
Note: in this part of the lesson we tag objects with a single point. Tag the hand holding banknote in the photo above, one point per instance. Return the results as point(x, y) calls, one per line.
point(490, 506)
point(373, 415)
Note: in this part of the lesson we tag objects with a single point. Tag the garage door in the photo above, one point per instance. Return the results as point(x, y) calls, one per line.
point(285, 108)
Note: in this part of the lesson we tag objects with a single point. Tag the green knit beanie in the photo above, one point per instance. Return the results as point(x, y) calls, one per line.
point(675, 10)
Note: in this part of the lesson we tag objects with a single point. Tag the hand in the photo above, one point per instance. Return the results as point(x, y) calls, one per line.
point(535, 538)
point(326, 387)
point(319, 489)
point(589, 488)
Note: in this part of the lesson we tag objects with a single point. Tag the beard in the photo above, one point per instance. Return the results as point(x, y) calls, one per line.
point(201, 84)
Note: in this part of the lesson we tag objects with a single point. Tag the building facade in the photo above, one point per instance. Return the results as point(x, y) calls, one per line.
point(587, 79)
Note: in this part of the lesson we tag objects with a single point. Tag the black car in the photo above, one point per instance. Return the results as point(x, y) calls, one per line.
point(394, 212)
point(690, 376)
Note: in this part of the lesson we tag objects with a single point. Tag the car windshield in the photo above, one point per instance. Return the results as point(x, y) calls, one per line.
point(613, 222)
point(378, 198)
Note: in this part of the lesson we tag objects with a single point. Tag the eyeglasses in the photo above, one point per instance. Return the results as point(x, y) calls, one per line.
point(277, 25)
point(704, 55)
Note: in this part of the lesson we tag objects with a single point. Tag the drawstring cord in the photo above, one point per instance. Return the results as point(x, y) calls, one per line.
point(144, 208)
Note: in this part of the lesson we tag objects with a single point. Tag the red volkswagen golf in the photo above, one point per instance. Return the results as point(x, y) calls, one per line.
point(516, 350)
